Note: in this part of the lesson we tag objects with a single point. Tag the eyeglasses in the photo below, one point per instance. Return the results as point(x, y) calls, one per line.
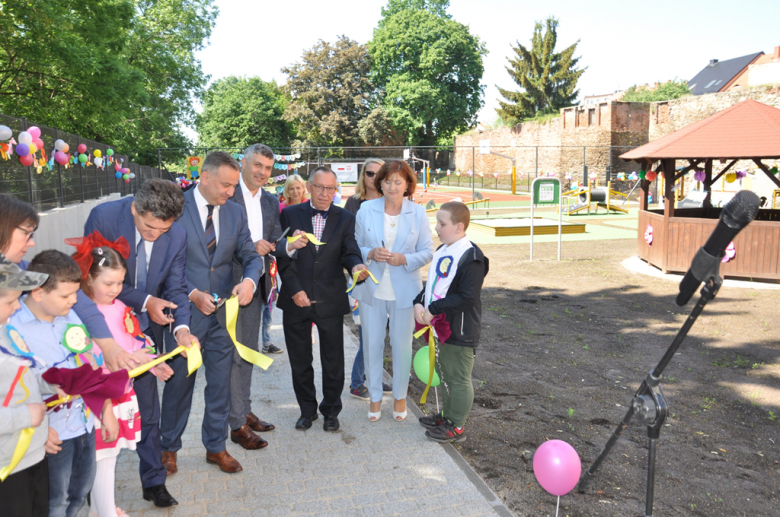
point(329, 190)
point(30, 234)
point(369, 174)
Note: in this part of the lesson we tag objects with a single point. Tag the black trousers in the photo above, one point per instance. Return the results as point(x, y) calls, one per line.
point(149, 450)
point(26, 493)
point(297, 335)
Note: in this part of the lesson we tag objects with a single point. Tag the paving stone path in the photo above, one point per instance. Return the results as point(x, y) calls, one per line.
point(364, 469)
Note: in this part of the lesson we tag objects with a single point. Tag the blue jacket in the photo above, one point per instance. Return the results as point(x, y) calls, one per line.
point(165, 278)
point(234, 241)
point(414, 240)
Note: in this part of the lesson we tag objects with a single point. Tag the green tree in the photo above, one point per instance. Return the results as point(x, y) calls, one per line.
point(122, 72)
point(332, 94)
point(430, 68)
point(239, 111)
point(548, 79)
point(673, 89)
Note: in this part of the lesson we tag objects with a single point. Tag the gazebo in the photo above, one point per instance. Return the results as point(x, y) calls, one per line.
point(748, 130)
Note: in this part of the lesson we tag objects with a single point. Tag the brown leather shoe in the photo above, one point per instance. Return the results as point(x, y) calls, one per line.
point(247, 439)
point(257, 424)
point(169, 462)
point(225, 461)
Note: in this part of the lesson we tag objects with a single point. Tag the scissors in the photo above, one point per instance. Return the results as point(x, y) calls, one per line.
point(284, 233)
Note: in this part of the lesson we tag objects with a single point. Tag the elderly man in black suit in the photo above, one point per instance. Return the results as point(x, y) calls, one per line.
point(314, 291)
point(262, 209)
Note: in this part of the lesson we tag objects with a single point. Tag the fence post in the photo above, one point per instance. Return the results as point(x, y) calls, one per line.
point(584, 167)
point(536, 167)
point(81, 173)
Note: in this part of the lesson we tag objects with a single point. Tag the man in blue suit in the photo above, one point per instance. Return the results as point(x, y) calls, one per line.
point(217, 232)
point(154, 283)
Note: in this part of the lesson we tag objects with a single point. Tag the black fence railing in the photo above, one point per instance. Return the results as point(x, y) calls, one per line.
point(62, 186)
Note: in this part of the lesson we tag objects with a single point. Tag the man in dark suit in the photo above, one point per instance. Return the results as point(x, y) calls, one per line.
point(154, 283)
point(262, 209)
point(314, 291)
point(217, 232)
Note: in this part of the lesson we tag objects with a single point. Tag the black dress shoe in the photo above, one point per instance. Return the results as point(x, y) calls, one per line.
point(304, 422)
point(331, 424)
point(159, 495)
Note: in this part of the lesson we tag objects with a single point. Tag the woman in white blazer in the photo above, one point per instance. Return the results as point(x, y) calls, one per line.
point(394, 236)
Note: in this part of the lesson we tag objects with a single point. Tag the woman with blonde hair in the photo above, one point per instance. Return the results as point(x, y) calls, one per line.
point(294, 191)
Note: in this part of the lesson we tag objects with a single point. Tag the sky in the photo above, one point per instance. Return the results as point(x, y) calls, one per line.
point(621, 43)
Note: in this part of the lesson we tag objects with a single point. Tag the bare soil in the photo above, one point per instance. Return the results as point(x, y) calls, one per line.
point(564, 347)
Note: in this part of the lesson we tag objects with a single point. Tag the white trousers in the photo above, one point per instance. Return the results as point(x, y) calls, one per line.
point(373, 321)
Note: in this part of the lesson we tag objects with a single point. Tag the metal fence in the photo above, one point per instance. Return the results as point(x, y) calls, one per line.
point(63, 186)
point(461, 166)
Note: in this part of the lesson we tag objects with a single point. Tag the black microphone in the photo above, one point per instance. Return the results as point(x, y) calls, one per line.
point(737, 214)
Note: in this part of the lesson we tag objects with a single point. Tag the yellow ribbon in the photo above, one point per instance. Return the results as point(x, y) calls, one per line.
point(310, 236)
point(246, 353)
point(355, 276)
point(194, 361)
point(21, 448)
point(431, 359)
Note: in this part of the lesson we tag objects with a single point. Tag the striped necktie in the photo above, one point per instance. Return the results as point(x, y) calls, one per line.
point(211, 236)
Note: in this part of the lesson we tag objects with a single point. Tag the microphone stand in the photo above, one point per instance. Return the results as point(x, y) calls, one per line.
point(649, 404)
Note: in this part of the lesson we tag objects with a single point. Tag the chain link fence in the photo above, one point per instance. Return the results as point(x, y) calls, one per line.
point(63, 186)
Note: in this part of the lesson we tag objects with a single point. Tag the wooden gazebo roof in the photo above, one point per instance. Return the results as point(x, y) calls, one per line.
point(747, 130)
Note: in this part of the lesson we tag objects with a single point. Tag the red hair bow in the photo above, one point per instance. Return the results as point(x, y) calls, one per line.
point(85, 245)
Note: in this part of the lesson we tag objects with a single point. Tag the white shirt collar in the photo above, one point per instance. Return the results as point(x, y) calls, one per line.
point(200, 201)
point(248, 192)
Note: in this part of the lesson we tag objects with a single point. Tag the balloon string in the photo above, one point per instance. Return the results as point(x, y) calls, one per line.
point(558, 505)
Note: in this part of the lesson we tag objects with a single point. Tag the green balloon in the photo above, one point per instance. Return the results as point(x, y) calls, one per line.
point(422, 367)
point(110, 152)
point(125, 176)
point(83, 158)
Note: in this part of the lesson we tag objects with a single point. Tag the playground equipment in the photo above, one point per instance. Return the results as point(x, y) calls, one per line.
point(775, 195)
point(431, 206)
point(604, 197)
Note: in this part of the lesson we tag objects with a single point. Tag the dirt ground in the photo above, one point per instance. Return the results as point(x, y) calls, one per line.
point(565, 345)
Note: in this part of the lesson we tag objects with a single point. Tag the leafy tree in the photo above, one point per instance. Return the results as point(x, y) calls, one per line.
point(548, 79)
point(673, 89)
point(238, 112)
point(430, 67)
point(332, 94)
point(122, 72)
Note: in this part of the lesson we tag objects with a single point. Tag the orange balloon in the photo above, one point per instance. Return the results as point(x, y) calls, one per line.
point(65, 150)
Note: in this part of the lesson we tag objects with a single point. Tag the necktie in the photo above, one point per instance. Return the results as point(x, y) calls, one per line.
point(140, 280)
point(211, 236)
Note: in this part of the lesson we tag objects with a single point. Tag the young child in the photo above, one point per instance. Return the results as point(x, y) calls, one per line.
point(53, 332)
point(103, 271)
point(24, 489)
point(451, 301)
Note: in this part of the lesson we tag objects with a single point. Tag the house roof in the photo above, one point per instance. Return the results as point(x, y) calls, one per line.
point(747, 129)
point(718, 74)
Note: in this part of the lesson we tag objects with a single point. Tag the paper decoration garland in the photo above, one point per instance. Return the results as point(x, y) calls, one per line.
point(731, 252)
point(649, 235)
point(286, 157)
point(289, 166)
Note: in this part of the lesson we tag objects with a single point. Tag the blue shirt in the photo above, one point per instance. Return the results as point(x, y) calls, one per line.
point(45, 341)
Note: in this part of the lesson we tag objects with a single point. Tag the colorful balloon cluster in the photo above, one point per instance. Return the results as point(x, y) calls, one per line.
point(29, 144)
point(122, 173)
point(621, 176)
point(633, 176)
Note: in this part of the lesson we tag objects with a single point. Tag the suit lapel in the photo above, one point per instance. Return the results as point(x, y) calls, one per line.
point(266, 207)
point(330, 225)
point(191, 207)
point(128, 232)
point(158, 257)
point(404, 226)
point(224, 229)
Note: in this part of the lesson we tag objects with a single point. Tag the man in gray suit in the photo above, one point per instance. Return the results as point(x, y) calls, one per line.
point(262, 209)
point(217, 233)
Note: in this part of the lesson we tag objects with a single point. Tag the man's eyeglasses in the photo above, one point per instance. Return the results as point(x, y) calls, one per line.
point(329, 190)
point(30, 234)
point(369, 174)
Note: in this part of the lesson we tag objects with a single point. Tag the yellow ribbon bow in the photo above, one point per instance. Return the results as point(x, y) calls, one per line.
point(310, 236)
point(246, 353)
point(431, 359)
point(355, 276)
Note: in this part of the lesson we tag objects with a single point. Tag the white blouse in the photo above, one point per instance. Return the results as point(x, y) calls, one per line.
point(384, 291)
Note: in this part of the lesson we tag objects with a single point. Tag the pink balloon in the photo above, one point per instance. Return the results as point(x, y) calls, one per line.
point(35, 132)
point(60, 157)
point(38, 143)
point(557, 467)
point(82, 148)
